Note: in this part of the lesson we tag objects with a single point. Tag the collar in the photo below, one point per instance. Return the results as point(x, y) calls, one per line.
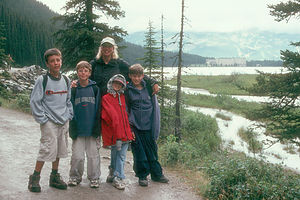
point(54, 78)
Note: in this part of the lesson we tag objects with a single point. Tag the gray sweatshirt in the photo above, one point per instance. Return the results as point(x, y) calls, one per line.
point(53, 103)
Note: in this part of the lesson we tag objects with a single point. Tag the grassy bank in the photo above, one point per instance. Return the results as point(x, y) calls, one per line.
point(218, 173)
point(223, 84)
point(224, 102)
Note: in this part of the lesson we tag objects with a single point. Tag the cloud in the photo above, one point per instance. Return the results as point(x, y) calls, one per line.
point(212, 15)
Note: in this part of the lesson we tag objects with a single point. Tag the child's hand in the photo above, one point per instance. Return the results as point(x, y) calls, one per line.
point(98, 143)
point(155, 89)
point(119, 145)
point(133, 135)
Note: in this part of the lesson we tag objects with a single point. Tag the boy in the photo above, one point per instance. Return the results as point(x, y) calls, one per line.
point(52, 109)
point(116, 131)
point(85, 128)
point(144, 119)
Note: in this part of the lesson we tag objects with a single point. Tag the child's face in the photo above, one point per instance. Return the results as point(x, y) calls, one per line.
point(136, 78)
point(116, 85)
point(54, 64)
point(83, 73)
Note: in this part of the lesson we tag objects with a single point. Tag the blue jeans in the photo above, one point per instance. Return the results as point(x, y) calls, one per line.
point(118, 160)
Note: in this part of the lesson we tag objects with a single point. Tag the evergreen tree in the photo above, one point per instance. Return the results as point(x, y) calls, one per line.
point(28, 30)
point(3, 56)
point(152, 51)
point(282, 114)
point(82, 32)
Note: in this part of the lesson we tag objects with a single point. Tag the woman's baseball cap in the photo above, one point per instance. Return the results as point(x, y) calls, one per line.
point(108, 40)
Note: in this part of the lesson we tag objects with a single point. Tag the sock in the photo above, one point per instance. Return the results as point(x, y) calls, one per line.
point(54, 171)
point(36, 173)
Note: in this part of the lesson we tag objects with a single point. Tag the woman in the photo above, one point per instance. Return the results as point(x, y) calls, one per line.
point(107, 63)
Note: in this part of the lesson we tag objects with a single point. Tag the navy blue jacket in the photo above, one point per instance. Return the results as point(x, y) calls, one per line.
point(155, 117)
point(86, 111)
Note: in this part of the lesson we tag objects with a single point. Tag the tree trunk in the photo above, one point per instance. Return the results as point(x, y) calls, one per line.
point(162, 63)
point(178, 92)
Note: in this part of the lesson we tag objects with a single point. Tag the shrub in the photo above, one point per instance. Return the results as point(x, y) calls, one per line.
point(23, 102)
point(199, 138)
point(238, 177)
point(201, 131)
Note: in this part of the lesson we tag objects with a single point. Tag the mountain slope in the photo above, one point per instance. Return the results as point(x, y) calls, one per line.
point(252, 44)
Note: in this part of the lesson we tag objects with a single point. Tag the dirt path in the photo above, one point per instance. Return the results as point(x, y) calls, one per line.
point(19, 143)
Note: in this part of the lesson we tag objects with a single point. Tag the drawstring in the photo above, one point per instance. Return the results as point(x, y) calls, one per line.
point(119, 99)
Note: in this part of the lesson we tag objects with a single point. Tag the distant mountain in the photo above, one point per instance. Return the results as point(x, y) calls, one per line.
point(252, 44)
point(132, 54)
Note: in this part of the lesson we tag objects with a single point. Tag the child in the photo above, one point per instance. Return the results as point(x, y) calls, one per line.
point(52, 109)
point(116, 131)
point(144, 119)
point(85, 128)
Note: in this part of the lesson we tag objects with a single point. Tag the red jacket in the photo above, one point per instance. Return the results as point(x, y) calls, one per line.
point(115, 124)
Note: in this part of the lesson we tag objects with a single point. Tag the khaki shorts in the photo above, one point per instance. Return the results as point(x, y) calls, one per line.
point(54, 141)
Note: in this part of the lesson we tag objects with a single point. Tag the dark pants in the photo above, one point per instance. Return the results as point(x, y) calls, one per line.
point(145, 156)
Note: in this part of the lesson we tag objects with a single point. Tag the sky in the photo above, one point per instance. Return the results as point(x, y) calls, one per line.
point(201, 15)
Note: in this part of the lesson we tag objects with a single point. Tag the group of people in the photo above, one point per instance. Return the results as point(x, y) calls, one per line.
point(110, 99)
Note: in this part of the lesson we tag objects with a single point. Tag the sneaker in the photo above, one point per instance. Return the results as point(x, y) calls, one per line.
point(143, 182)
point(56, 182)
point(118, 183)
point(110, 176)
point(94, 184)
point(73, 182)
point(33, 184)
point(161, 179)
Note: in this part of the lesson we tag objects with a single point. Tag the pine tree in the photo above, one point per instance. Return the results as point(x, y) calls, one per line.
point(3, 56)
point(282, 114)
point(152, 51)
point(82, 32)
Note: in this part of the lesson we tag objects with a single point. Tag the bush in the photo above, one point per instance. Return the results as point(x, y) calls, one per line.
point(199, 138)
point(23, 102)
point(201, 131)
point(236, 177)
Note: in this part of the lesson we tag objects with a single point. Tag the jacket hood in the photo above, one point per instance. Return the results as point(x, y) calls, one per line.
point(119, 78)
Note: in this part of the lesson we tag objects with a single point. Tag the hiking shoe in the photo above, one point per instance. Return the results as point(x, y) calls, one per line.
point(73, 182)
point(56, 182)
point(110, 176)
point(94, 184)
point(118, 183)
point(143, 182)
point(161, 179)
point(33, 184)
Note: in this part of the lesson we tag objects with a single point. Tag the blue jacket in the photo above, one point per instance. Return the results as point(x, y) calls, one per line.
point(155, 118)
point(85, 101)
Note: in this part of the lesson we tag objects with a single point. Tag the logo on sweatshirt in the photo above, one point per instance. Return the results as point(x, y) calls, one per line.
point(50, 92)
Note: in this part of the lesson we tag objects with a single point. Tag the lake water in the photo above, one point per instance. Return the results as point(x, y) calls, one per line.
point(214, 71)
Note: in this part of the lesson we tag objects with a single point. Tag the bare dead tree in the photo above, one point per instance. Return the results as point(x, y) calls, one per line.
point(162, 62)
point(178, 92)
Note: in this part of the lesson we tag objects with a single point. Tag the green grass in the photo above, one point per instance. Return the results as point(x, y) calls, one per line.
point(250, 137)
point(223, 84)
point(222, 116)
point(224, 174)
point(224, 102)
